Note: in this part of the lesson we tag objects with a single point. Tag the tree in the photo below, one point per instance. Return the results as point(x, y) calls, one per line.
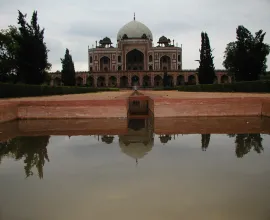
point(32, 150)
point(205, 141)
point(245, 58)
point(8, 49)
point(246, 142)
point(206, 71)
point(68, 70)
point(32, 55)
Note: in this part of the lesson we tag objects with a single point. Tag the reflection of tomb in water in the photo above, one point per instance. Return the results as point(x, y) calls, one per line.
point(139, 139)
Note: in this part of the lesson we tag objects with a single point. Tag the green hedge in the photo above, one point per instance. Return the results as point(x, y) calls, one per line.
point(265, 77)
point(24, 90)
point(261, 86)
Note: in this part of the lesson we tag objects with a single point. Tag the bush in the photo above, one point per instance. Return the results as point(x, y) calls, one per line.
point(260, 86)
point(24, 90)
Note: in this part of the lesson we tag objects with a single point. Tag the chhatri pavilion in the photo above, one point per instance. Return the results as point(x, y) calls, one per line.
point(136, 61)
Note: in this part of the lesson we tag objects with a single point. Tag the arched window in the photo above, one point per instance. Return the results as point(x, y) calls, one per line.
point(179, 58)
point(150, 58)
point(150, 67)
point(119, 68)
point(91, 69)
point(119, 59)
point(91, 59)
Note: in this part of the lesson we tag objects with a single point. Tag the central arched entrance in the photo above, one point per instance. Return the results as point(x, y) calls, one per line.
point(135, 60)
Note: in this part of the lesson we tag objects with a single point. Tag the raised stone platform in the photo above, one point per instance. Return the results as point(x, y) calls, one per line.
point(185, 104)
point(116, 104)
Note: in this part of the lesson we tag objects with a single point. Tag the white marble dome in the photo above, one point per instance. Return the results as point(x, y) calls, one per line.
point(134, 29)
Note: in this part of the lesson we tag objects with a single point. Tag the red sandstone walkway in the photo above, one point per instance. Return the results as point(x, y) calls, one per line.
point(202, 95)
point(77, 97)
point(127, 93)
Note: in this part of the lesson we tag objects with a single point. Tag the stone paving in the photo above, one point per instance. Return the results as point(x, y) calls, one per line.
point(126, 93)
point(202, 95)
point(85, 96)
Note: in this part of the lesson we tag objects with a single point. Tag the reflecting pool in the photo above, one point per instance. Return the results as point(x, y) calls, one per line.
point(202, 168)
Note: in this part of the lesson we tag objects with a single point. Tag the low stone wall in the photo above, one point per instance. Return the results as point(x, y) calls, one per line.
point(118, 108)
point(151, 105)
point(8, 130)
point(8, 111)
point(266, 108)
point(73, 109)
point(209, 107)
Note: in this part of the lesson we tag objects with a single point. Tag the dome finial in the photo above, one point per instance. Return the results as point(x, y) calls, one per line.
point(134, 16)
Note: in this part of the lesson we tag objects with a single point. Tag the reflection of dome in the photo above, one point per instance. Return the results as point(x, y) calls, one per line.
point(139, 139)
point(134, 29)
point(107, 139)
point(135, 150)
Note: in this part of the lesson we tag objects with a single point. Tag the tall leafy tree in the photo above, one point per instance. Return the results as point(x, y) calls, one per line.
point(245, 58)
point(206, 70)
point(32, 55)
point(247, 142)
point(8, 49)
point(68, 70)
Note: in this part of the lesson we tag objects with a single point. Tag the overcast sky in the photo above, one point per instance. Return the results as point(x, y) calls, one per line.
point(75, 24)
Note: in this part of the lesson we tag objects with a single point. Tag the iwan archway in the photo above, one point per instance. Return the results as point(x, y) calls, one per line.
point(135, 60)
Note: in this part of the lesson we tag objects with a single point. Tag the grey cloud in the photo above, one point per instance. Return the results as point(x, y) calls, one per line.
point(97, 30)
point(77, 24)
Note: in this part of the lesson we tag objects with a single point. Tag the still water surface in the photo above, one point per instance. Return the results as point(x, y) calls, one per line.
point(138, 175)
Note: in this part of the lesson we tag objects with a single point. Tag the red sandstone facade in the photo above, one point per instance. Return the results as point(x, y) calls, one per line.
point(136, 61)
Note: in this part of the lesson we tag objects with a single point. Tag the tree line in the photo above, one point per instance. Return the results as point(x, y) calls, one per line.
point(24, 56)
point(245, 59)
